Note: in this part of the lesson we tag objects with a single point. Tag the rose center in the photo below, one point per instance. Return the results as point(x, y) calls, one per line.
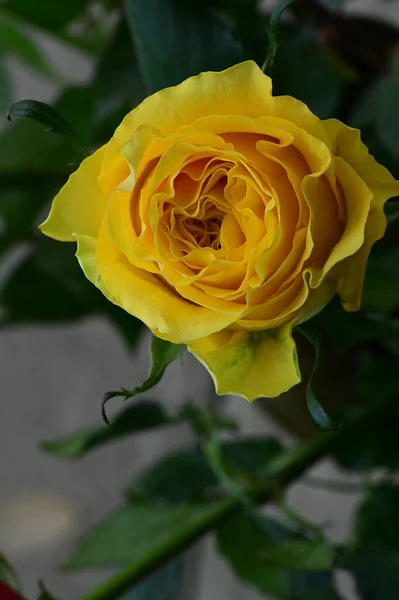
point(205, 232)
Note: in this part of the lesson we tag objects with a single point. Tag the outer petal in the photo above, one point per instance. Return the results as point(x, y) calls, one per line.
point(252, 365)
point(294, 111)
point(358, 198)
point(150, 299)
point(353, 270)
point(240, 90)
point(347, 144)
point(86, 255)
point(80, 205)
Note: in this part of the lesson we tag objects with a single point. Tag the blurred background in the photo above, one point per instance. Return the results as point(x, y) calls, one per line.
point(61, 345)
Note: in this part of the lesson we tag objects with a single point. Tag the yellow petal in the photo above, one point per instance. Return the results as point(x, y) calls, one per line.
point(358, 198)
point(295, 111)
point(86, 255)
point(240, 90)
point(348, 145)
point(80, 205)
point(252, 365)
point(147, 297)
point(353, 270)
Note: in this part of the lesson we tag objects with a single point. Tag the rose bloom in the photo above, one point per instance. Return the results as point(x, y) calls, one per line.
point(222, 217)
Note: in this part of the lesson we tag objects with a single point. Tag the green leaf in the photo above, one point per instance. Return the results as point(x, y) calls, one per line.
point(318, 413)
point(204, 419)
point(176, 39)
point(302, 555)
point(378, 107)
point(152, 534)
point(243, 544)
point(376, 573)
point(186, 476)
point(250, 24)
point(143, 416)
point(372, 448)
point(374, 553)
point(7, 574)
point(77, 106)
point(386, 116)
point(47, 14)
point(378, 377)
point(376, 521)
point(5, 88)
point(273, 34)
point(303, 70)
point(49, 286)
point(381, 286)
point(163, 353)
point(33, 166)
point(139, 534)
point(44, 593)
point(112, 101)
point(21, 44)
point(19, 208)
point(391, 210)
point(46, 115)
point(168, 579)
point(377, 446)
point(345, 331)
point(28, 153)
point(313, 586)
point(253, 552)
point(29, 295)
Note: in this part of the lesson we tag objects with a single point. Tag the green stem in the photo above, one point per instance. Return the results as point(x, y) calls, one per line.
point(276, 477)
point(124, 580)
point(273, 31)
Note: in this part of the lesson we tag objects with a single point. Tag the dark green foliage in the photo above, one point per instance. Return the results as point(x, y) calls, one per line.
point(166, 499)
point(304, 70)
point(137, 533)
point(378, 108)
point(168, 579)
point(278, 563)
point(176, 39)
point(186, 475)
point(319, 415)
point(49, 286)
point(45, 13)
point(163, 353)
point(47, 116)
point(373, 555)
point(135, 419)
point(15, 41)
point(377, 446)
point(44, 593)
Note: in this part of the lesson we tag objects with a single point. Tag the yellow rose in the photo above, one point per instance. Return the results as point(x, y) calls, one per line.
point(222, 216)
